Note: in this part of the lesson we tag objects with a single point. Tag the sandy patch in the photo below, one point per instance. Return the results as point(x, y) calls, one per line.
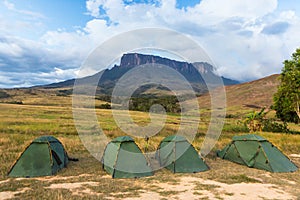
point(71, 185)
point(294, 155)
point(255, 178)
point(1, 182)
point(289, 182)
point(9, 194)
point(268, 175)
point(54, 178)
point(145, 195)
point(78, 188)
point(187, 187)
point(193, 188)
point(252, 191)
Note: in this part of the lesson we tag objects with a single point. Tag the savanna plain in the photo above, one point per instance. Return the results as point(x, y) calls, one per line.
point(46, 113)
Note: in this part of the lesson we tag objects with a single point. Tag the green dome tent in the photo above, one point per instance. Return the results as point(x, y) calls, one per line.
point(43, 157)
point(255, 151)
point(179, 156)
point(122, 158)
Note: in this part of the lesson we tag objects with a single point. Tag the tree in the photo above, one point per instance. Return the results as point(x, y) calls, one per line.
point(287, 98)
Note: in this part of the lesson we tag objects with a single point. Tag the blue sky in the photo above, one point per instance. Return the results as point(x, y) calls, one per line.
point(46, 41)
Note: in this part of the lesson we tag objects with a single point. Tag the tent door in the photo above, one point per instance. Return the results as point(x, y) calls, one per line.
point(56, 157)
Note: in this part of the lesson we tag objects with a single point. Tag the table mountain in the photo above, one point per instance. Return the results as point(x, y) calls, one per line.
point(130, 60)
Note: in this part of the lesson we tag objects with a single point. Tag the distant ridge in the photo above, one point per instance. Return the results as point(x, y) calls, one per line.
point(240, 98)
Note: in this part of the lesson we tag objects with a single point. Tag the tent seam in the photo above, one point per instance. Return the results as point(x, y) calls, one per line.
point(269, 163)
point(239, 154)
point(114, 166)
point(102, 159)
point(256, 154)
point(174, 167)
point(49, 148)
point(227, 149)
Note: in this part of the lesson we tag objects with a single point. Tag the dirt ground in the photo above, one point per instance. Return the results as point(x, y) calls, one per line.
point(216, 190)
point(186, 188)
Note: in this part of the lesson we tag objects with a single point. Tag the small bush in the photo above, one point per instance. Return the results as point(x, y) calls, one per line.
point(237, 128)
point(230, 116)
point(144, 103)
point(4, 95)
point(61, 95)
point(199, 134)
point(15, 102)
point(103, 97)
point(64, 92)
point(104, 106)
point(270, 125)
point(257, 121)
point(254, 120)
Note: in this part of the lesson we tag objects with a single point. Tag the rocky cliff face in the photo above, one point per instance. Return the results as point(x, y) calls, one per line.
point(135, 59)
point(189, 70)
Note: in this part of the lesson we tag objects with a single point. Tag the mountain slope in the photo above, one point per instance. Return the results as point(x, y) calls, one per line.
point(240, 97)
point(255, 94)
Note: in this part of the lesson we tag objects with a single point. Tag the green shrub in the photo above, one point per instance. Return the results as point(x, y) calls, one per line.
point(104, 106)
point(4, 95)
point(144, 103)
point(104, 97)
point(64, 92)
point(254, 120)
point(237, 128)
point(270, 125)
point(230, 116)
point(15, 102)
point(257, 121)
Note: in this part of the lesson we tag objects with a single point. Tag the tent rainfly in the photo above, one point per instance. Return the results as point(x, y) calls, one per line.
point(122, 158)
point(255, 151)
point(45, 156)
point(179, 156)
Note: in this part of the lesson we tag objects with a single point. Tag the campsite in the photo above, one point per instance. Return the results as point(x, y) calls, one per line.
point(86, 179)
point(150, 99)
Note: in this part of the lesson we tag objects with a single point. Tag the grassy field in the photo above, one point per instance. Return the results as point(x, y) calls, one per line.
point(20, 124)
point(29, 113)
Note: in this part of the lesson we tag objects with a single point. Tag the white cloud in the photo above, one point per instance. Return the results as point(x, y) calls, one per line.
point(92, 7)
point(59, 74)
point(236, 8)
point(27, 79)
point(9, 5)
point(11, 50)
